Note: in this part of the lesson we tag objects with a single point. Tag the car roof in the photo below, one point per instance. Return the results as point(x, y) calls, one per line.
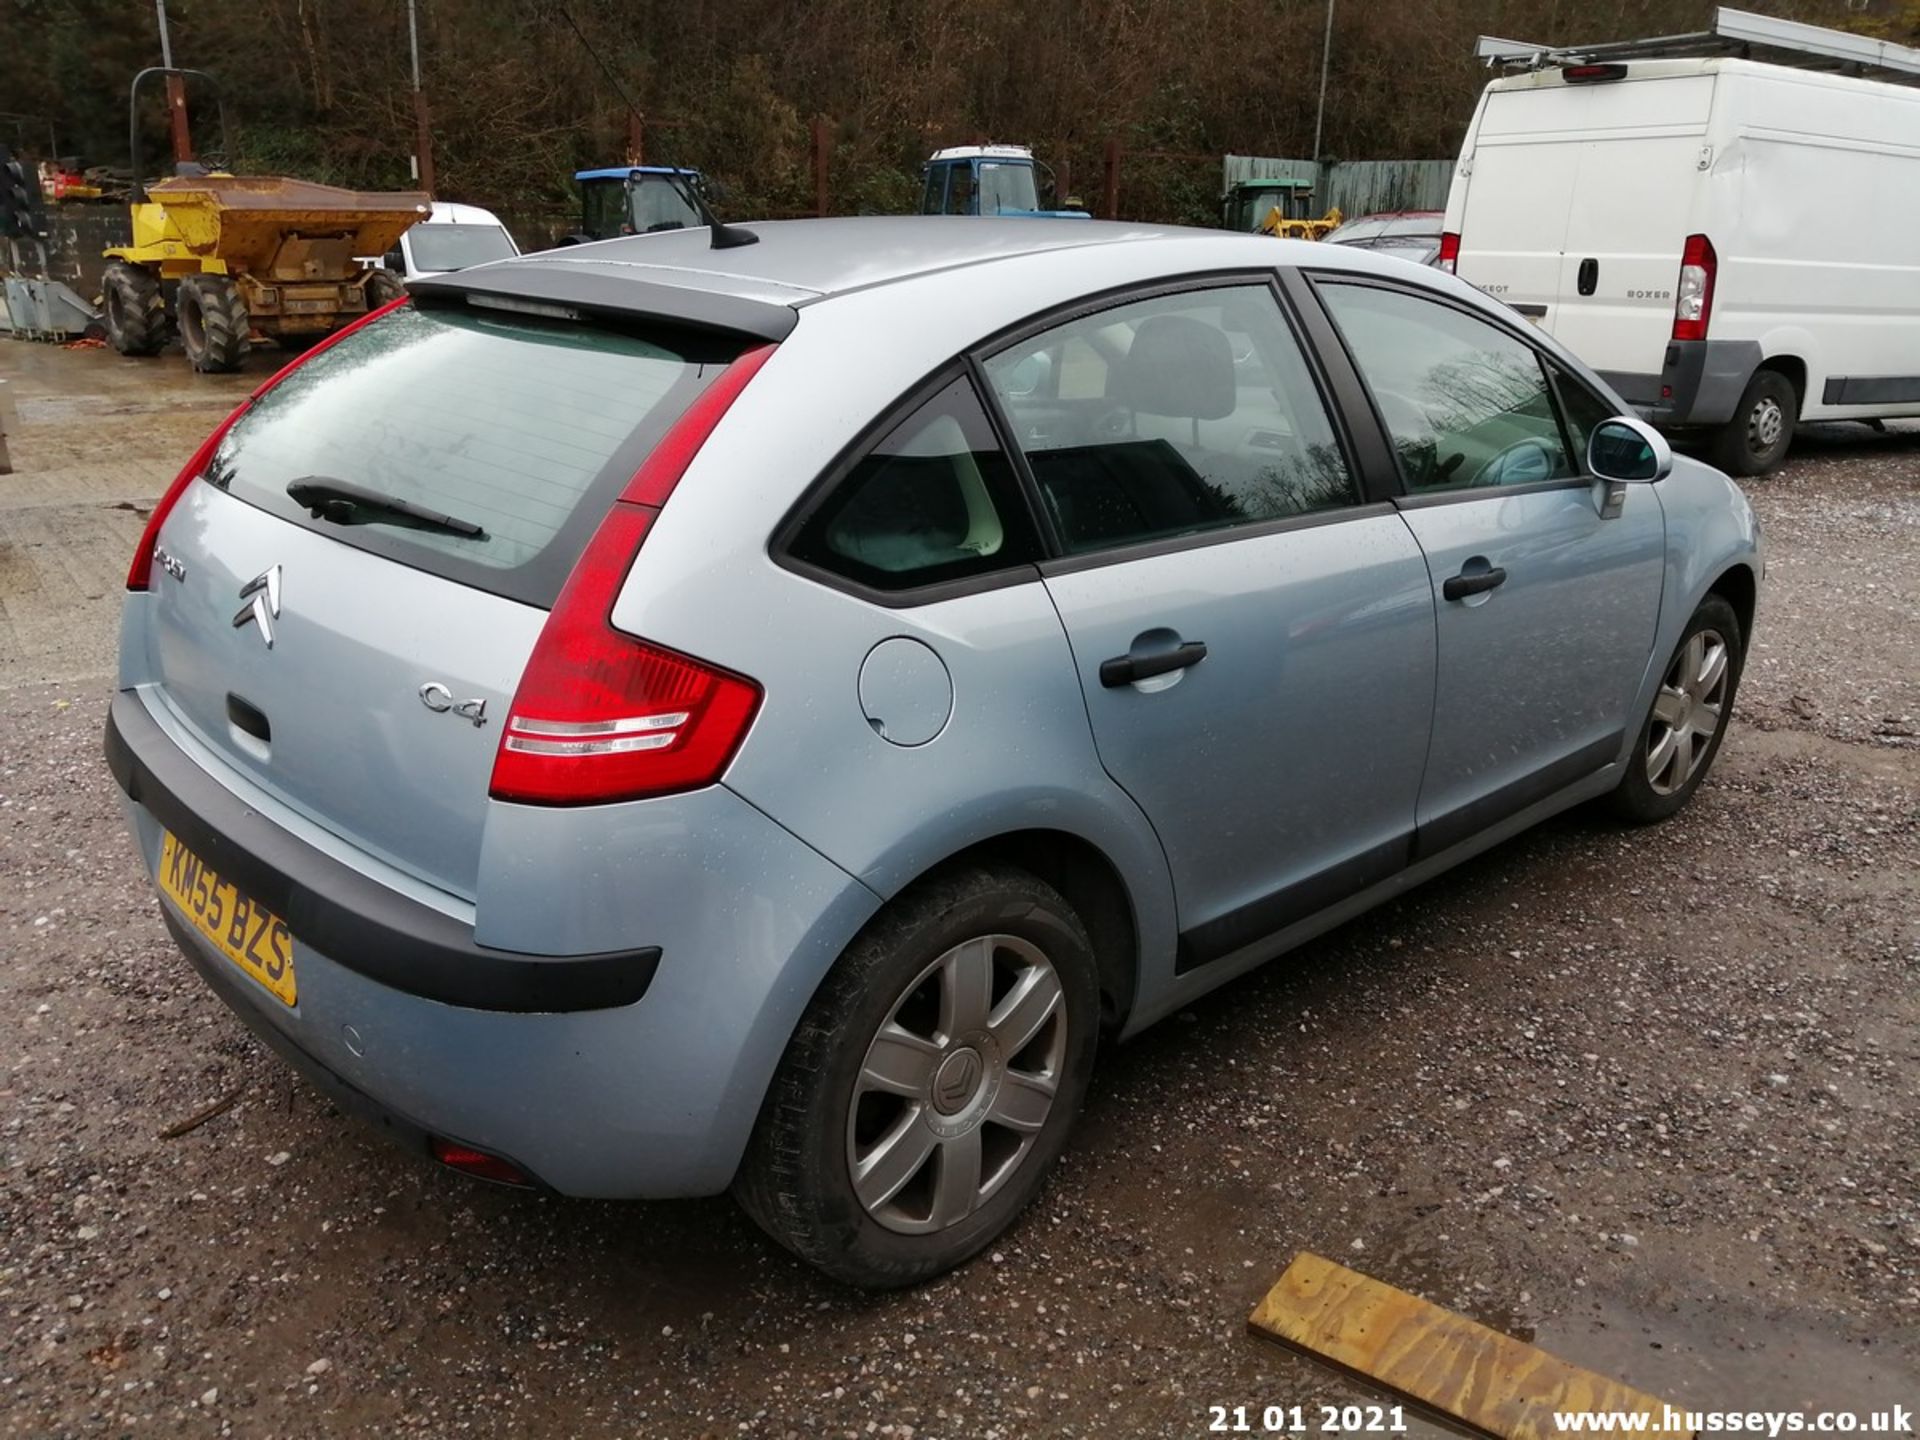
point(797, 261)
point(761, 289)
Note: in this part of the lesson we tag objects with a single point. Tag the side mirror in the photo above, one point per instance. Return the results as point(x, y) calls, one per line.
point(1625, 448)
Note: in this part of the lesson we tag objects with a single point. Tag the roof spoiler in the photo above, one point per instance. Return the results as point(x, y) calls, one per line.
point(564, 289)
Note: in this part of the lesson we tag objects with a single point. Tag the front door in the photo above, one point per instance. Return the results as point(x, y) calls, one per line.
point(1546, 583)
point(1255, 644)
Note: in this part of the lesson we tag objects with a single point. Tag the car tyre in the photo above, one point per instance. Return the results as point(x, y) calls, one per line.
point(1688, 718)
point(136, 309)
point(214, 326)
point(898, 1048)
point(1755, 440)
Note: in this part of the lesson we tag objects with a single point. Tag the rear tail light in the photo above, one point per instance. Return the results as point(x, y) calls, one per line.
point(1693, 298)
point(479, 1163)
point(1589, 74)
point(1449, 257)
point(599, 715)
point(140, 572)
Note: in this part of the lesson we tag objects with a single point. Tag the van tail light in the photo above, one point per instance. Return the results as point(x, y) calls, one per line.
point(1449, 256)
point(140, 572)
point(599, 715)
point(1693, 297)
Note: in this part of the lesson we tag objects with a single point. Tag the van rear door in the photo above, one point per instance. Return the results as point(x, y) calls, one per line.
point(1580, 197)
point(1639, 191)
point(1519, 182)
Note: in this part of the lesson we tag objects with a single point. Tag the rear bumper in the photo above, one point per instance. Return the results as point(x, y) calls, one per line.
point(651, 1096)
point(384, 935)
point(1700, 382)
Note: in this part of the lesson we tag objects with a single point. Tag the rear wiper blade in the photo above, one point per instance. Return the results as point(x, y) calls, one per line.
point(344, 503)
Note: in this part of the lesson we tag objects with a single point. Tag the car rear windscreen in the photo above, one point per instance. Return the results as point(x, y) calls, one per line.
point(524, 427)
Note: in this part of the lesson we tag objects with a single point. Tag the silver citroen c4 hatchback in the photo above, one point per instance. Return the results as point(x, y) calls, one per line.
point(652, 719)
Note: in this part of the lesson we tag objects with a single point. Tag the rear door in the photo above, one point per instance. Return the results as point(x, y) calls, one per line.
point(354, 664)
point(1639, 175)
point(1254, 639)
point(1520, 180)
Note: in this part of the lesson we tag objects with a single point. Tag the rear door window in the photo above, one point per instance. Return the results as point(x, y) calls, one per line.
point(933, 501)
point(523, 427)
point(1169, 416)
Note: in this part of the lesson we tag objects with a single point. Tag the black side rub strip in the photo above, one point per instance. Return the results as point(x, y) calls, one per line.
point(355, 922)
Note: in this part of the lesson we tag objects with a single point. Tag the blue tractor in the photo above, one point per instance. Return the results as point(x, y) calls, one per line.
point(985, 180)
point(635, 200)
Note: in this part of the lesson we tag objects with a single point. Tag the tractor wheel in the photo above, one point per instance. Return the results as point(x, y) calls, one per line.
point(136, 310)
point(383, 288)
point(213, 323)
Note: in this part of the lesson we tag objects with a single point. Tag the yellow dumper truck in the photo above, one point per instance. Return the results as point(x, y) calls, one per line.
point(218, 257)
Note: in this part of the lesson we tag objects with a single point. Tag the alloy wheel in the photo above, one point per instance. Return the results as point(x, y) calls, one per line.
point(1688, 711)
point(957, 1084)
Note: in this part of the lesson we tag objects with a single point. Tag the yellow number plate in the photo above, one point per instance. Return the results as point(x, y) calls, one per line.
point(248, 934)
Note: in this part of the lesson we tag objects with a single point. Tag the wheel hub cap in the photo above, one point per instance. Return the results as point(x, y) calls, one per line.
point(1687, 711)
point(957, 1084)
point(957, 1081)
point(1767, 423)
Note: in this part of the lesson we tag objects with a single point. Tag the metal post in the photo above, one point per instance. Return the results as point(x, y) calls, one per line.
point(1326, 59)
point(176, 91)
point(822, 156)
point(422, 125)
point(1110, 187)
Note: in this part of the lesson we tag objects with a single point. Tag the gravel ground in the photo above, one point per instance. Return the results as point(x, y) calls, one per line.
point(1648, 1097)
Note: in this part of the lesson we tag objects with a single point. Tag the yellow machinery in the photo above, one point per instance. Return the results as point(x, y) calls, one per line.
point(1274, 206)
point(245, 253)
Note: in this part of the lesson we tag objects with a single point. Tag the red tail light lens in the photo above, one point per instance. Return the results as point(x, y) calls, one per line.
point(600, 716)
point(140, 572)
point(1693, 297)
point(1449, 256)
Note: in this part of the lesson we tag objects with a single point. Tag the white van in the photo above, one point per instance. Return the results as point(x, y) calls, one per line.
point(453, 237)
point(1732, 245)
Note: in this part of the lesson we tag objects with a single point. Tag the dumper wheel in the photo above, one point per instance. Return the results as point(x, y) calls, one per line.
point(136, 310)
point(383, 288)
point(213, 323)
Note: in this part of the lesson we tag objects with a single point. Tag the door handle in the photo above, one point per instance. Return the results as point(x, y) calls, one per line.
point(1125, 669)
point(1473, 582)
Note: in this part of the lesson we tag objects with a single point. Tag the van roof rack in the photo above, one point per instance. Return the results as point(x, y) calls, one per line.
point(1737, 33)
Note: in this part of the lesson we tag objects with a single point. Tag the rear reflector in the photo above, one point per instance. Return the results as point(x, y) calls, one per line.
point(140, 572)
point(1449, 257)
point(469, 1161)
point(1693, 297)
